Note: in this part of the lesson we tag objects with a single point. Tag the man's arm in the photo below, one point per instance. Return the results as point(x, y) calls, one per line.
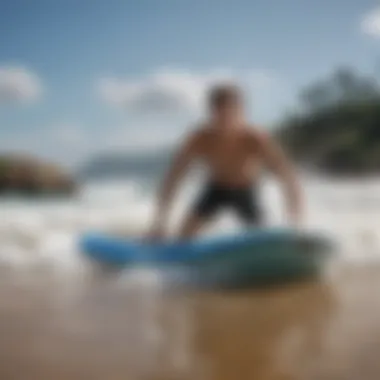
point(276, 160)
point(177, 170)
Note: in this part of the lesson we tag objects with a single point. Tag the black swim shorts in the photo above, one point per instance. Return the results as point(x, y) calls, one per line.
point(243, 201)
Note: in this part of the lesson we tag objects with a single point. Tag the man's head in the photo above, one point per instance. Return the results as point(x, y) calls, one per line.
point(226, 103)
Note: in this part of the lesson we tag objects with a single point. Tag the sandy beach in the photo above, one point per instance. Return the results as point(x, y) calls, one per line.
point(129, 327)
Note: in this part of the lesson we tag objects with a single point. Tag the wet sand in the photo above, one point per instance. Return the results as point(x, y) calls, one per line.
point(132, 328)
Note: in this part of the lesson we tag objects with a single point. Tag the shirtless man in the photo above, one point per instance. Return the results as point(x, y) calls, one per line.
point(233, 153)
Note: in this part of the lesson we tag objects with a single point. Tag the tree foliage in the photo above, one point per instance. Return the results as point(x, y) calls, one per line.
point(338, 130)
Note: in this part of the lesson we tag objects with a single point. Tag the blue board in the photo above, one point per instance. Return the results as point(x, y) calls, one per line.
point(244, 258)
point(119, 251)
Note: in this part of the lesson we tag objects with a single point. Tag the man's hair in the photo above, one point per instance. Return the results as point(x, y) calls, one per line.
point(222, 94)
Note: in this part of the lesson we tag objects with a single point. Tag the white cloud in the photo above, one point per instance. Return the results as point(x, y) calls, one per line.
point(140, 139)
point(371, 23)
point(18, 85)
point(169, 91)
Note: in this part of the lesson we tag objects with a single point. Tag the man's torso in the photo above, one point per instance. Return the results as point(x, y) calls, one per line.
point(231, 157)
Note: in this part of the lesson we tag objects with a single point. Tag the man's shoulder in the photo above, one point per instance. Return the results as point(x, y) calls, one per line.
point(256, 134)
point(197, 137)
point(203, 128)
point(200, 132)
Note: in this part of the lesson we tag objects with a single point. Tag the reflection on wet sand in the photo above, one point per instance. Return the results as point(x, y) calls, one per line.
point(131, 327)
point(263, 334)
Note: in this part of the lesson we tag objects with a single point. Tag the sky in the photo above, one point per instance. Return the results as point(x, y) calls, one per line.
point(79, 77)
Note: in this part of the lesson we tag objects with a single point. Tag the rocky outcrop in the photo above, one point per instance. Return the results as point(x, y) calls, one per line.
point(30, 176)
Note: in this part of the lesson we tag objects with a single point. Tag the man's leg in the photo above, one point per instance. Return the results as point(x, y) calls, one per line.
point(204, 209)
point(247, 207)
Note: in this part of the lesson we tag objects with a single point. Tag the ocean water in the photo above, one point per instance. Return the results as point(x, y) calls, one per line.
point(45, 232)
point(70, 322)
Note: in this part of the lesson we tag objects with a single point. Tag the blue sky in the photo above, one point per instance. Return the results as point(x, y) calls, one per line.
point(78, 76)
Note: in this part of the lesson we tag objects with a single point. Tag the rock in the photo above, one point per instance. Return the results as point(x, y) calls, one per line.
point(30, 176)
